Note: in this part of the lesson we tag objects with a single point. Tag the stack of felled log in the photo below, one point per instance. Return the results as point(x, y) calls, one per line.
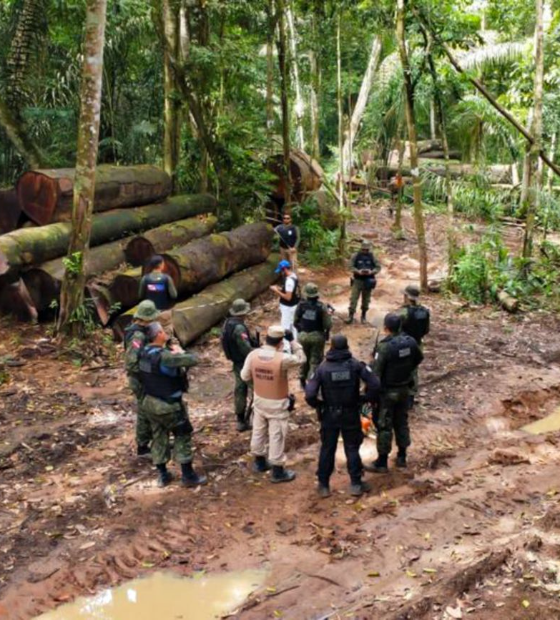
point(134, 218)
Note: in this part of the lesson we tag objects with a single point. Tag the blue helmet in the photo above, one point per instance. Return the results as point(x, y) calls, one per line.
point(283, 264)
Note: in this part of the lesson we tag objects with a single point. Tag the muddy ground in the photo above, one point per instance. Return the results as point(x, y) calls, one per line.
point(471, 529)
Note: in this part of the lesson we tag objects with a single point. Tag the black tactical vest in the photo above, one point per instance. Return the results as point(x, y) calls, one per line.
point(364, 261)
point(417, 322)
point(130, 332)
point(229, 343)
point(157, 291)
point(340, 383)
point(400, 361)
point(165, 385)
point(295, 295)
point(311, 316)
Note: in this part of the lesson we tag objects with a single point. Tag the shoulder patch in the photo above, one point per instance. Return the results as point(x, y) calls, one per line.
point(136, 344)
point(245, 336)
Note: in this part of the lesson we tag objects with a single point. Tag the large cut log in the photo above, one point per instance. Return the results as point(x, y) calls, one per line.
point(29, 246)
point(46, 195)
point(202, 262)
point(305, 173)
point(44, 281)
point(158, 240)
point(193, 317)
point(10, 211)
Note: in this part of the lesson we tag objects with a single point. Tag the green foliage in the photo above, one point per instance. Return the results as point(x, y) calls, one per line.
point(319, 245)
point(73, 264)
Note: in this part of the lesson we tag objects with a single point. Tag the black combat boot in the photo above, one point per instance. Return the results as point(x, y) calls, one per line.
point(242, 425)
point(401, 459)
point(261, 465)
point(164, 477)
point(363, 319)
point(190, 478)
point(350, 318)
point(143, 451)
point(378, 466)
point(359, 488)
point(323, 490)
point(279, 474)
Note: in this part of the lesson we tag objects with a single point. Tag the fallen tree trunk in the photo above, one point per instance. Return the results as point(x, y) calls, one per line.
point(142, 247)
point(193, 317)
point(37, 245)
point(509, 304)
point(10, 211)
point(202, 262)
point(46, 195)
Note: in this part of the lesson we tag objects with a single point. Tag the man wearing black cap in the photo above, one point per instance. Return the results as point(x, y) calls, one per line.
point(338, 379)
point(396, 358)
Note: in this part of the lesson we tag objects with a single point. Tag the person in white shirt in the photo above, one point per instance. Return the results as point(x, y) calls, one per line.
point(289, 295)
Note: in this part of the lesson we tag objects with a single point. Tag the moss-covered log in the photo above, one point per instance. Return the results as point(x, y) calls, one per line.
point(46, 195)
point(29, 246)
point(142, 247)
point(43, 281)
point(200, 263)
point(198, 314)
point(10, 212)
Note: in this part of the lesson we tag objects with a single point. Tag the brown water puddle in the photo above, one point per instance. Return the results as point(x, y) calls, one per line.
point(165, 596)
point(547, 425)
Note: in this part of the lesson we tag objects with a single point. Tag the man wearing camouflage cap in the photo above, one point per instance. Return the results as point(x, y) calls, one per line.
point(134, 341)
point(267, 367)
point(364, 267)
point(237, 343)
point(415, 321)
point(313, 323)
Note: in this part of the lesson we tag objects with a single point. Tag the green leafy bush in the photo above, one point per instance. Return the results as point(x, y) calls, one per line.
point(319, 245)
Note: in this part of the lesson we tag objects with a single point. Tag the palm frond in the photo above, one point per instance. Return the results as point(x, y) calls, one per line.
point(495, 55)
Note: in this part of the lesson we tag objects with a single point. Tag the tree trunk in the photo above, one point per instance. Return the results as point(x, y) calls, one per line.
point(433, 122)
point(42, 243)
point(283, 67)
point(200, 263)
point(270, 69)
point(17, 135)
point(46, 195)
point(341, 201)
point(397, 227)
point(411, 124)
point(141, 248)
point(299, 109)
point(72, 292)
point(361, 103)
point(315, 87)
point(10, 211)
point(172, 102)
point(535, 175)
point(44, 281)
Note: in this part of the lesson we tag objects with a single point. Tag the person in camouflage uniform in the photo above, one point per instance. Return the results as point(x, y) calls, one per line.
point(364, 267)
point(313, 323)
point(396, 358)
point(415, 321)
point(134, 341)
point(163, 377)
point(237, 343)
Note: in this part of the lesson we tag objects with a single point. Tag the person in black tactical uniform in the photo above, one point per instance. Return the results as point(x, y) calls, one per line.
point(164, 381)
point(364, 267)
point(313, 323)
point(289, 240)
point(416, 323)
point(338, 379)
point(396, 358)
point(237, 343)
point(158, 286)
point(134, 340)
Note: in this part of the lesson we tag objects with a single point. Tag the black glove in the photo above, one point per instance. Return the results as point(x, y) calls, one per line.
point(289, 335)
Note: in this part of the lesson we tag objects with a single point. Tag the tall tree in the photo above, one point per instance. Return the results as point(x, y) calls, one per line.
point(299, 105)
point(284, 96)
point(72, 292)
point(361, 103)
point(535, 176)
point(413, 145)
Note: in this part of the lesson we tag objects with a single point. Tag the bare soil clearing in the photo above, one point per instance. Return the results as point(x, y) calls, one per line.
point(470, 530)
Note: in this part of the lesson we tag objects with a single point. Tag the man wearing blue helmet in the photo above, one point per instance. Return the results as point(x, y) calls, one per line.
point(289, 295)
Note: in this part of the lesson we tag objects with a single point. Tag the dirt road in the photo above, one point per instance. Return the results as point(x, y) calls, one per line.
point(471, 529)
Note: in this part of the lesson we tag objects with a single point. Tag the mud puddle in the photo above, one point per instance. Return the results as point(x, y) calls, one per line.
point(547, 425)
point(165, 596)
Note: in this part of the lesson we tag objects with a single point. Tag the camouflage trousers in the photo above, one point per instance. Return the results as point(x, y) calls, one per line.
point(393, 418)
point(143, 426)
point(359, 288)
point(240, 393)
point(313, 344)
point(166, 419)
